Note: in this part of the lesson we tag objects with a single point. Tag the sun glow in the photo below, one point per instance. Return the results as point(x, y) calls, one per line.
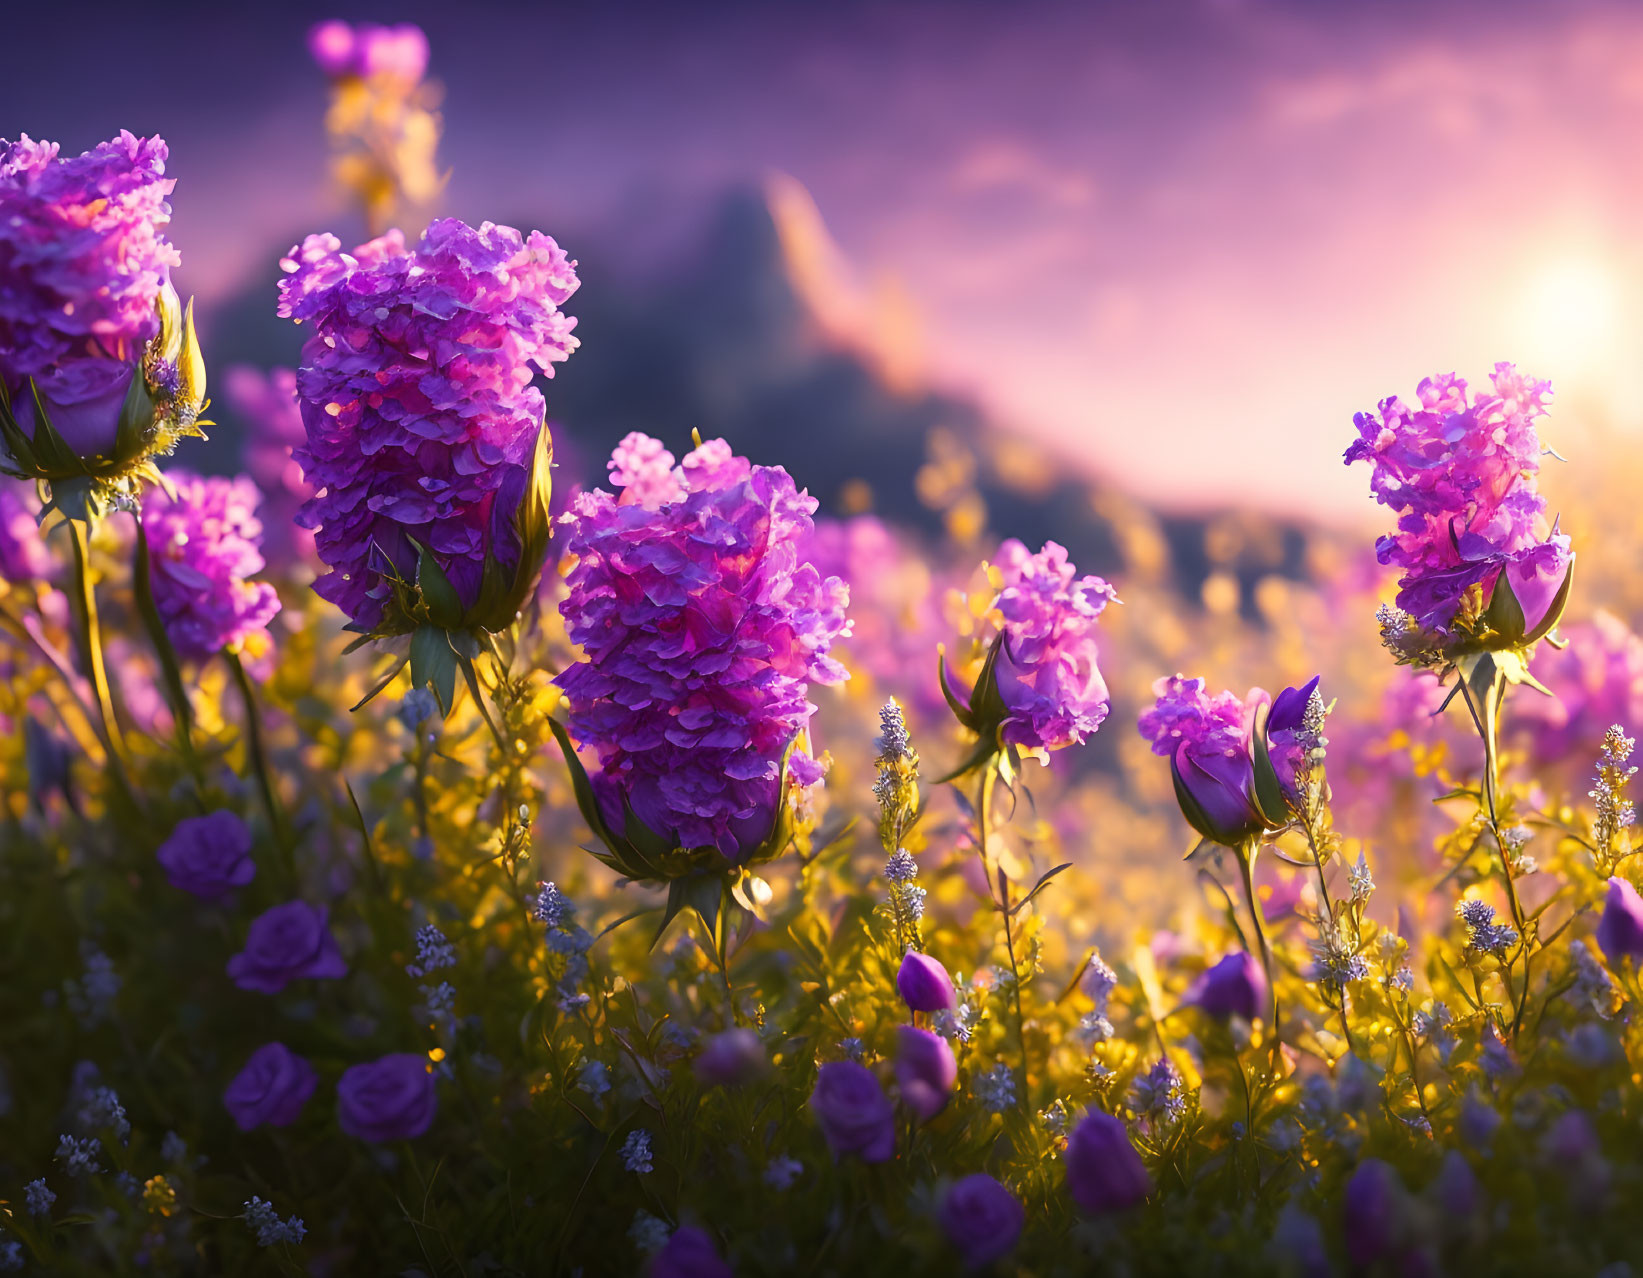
point(1568, 315)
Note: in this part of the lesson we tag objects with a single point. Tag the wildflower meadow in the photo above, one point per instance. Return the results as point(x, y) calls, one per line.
point(441, 850)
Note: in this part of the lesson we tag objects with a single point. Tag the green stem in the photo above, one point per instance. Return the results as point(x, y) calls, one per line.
point(1246, 867)
point(1487, 722)
point(989, 775)
point(258, 756)
point(91, 637)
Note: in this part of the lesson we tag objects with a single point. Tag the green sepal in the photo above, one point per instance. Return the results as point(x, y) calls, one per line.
point(961, 712)
point(190, 362)
point(55, 456)
point(433, 664)
point(1504, 615)
point(380, 685)
point(170, 667)
point(439, 604)
point(586, 802)
point(1554, 614)
point(1270, 800)
point(136, 426)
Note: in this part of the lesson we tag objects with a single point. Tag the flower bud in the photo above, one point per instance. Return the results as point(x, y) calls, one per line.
point(1236, 986)
point(924, 984)
point(855, 1115)
point(1620, 929)
point(1104, 1172)
point(925, 1071)
point(981, 1219)
point(730, 1059)
point(105, 373)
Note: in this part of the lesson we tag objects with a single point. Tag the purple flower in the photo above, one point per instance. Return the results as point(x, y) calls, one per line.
point(203, 543)
point(1103, 1170)
point(88, 315)
point(732, 1058)
point(1104, 1173)
point(1235, 986)
point(369, 50)
point(1374, 1213)
point(24, 555)
point(422, 423)
point(981, 1219)
point(208, 855)
point(1460, 473)
point(1620, 929)
point(1042, 689)
point(287, 943)
point(702, 633)
point(83, 256)
point(855, 1115)
point(387, 1099)
point(1207, 740)
point(925, 1071)
point(267, 404)
point(689, 1253)
point(924, 984)
point(272, 1088)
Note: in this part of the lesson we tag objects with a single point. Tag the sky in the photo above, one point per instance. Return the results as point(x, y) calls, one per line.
point(1180, 242)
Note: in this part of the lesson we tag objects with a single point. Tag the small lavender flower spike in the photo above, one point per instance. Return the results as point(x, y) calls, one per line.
point(89, 321)
point(695, 738)
point(1459, 472)
point(271, 1231)
point(1041, 688)
point(425, 438)
point(204, 543)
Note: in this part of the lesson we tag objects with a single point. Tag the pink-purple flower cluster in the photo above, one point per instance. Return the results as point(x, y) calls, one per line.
point(1208, 739)
point(702, 632)
point(204, 542)
point(1460, 473)
point(369, 50)
point(1046, 670)
point(417, 399)
point(83, 256)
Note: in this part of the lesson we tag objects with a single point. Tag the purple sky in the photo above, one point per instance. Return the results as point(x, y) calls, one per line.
point(1181, 241)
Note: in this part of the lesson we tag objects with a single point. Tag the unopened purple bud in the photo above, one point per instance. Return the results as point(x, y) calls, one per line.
point(925, 1069)
point(1620, 930)
point(1104, 1171)
point(1236, 986)
point(924, 984)
point(1374, 1213)
point(981, 1219)
point(689, 1253)
point(855, 1115)
point(732, 1058)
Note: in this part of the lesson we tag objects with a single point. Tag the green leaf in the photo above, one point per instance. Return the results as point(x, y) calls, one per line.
point(433, 664)
point(1038, 887)
point(381, 684)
